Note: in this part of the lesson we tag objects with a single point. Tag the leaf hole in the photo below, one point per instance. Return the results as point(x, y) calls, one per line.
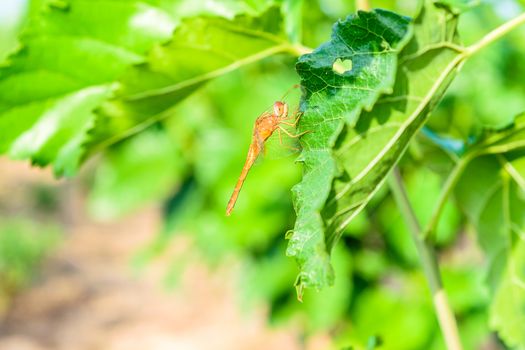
point(341, 66)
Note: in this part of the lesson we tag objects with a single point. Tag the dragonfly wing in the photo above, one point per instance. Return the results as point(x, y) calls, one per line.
point(260, 143)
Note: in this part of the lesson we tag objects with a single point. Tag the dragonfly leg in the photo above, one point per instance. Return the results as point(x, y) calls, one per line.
point(294, 149)
point(296, 112)
point(294, 123)
point(291, 135)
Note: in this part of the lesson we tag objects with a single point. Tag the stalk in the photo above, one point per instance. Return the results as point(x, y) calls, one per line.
point(427, 256)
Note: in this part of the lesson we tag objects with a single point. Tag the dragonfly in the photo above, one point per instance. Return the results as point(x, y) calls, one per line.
point(265, 125)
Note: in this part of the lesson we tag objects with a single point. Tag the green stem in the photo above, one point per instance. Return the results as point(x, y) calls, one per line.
point(451, 181)
point(495, 34)
point(299, 50)
point(427, 255)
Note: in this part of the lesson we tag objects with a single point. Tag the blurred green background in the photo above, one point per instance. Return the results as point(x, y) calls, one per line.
point(190, 165)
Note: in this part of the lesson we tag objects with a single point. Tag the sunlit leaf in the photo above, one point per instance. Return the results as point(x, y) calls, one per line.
point(71, 56)
point(201, 49)
point(75, 52)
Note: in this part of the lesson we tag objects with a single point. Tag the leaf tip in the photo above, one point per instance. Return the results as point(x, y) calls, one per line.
point(299, 288)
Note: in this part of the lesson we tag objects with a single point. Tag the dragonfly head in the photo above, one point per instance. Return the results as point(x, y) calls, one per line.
point(280, 109)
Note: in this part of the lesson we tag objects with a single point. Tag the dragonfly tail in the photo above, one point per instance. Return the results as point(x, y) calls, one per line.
point(236, 191)
point(250, 159)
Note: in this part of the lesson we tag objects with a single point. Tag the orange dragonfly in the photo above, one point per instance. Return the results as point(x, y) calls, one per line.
point(264, 127)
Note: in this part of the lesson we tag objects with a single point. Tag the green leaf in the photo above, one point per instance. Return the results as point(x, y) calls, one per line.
point(327, 307)
point(500, 173)
point(507, 312)
point(201, 49)
point(423, 188)
point(293, 19)
point(387, 311)
point(370, 41)
point(71, 56)
point(481, 197)
point(510, 139)
point(24, 243)
point(138, 170)
point(75, 52)
point(494, 201)
point(339, 182)
point(465, 287)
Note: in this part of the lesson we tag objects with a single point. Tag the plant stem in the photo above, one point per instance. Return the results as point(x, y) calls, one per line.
point(451, 181)
point(495, 34)
point(427, 255)
point(299, 50)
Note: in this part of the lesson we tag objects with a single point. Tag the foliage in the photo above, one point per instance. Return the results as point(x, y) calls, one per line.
point(370, 41)
point(494, 201)
point(166, 91)
point(22, 246)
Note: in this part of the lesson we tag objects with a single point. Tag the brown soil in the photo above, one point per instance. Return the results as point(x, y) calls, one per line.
point(87, 296)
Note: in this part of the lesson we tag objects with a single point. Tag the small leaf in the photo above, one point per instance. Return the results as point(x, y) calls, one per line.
point(480, 197)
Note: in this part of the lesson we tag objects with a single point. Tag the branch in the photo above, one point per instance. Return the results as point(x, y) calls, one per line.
point(495, 35)
point(299, 50)
point(451, 181)
point(427, 255)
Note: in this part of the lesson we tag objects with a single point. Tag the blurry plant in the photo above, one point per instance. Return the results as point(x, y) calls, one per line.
point(23, 245)
point(375, 99)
